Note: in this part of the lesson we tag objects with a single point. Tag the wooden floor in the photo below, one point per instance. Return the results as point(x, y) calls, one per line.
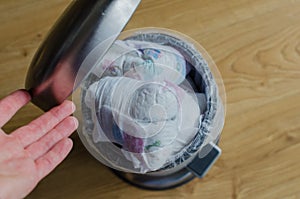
point(256, 46)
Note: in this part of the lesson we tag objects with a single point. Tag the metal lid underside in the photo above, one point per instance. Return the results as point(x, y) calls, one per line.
point(53, 73)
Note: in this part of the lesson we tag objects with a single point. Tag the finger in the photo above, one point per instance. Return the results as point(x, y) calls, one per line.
point(11, 104)
point(52, 158)
point(40, 126)
point(61, 131)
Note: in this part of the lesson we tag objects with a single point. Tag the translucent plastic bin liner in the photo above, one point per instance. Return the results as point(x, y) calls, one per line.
point(150, 104)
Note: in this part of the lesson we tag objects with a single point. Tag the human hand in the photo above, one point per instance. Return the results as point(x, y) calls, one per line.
point(32, 151)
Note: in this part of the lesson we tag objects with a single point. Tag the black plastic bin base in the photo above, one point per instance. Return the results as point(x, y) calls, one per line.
point(145, 181)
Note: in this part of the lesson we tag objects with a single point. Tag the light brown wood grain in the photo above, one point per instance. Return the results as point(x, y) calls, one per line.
point(256, 46)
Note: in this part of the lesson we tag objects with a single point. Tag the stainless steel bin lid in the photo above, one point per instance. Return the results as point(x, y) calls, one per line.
point(53, 73)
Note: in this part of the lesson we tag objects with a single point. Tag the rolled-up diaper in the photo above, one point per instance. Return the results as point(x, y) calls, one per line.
point(143, 61)
point(149, 121)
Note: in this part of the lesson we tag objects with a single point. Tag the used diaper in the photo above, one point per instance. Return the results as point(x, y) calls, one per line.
point(143, 60)
point(149, 121)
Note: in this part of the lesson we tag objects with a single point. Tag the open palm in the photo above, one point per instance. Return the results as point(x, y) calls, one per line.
point(31, 152)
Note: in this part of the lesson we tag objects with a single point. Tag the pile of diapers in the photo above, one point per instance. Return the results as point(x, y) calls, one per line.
point(143, 104)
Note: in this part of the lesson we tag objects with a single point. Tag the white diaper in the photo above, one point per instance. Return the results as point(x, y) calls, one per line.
point(143, 61)
point(149, 121)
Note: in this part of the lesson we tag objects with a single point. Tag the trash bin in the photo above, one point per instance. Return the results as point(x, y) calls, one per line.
point(150, 101)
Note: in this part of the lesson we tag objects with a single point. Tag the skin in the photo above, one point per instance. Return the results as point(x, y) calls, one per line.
point(32, 151)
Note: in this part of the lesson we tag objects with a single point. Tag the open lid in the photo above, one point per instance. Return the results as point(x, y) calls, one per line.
point(53, 73)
